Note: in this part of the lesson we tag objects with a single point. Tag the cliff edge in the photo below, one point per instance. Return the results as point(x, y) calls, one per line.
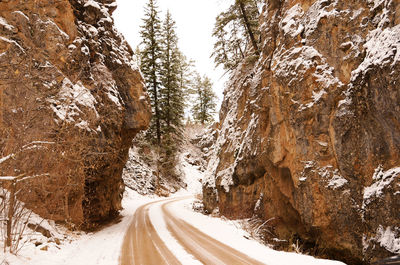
point(309, 134)
point(71, 100)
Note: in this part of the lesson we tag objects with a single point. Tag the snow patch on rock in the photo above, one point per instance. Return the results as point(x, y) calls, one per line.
point(382, 179)
point(92, 3)
point(382, 48)
point(5, 24)
point(337, 181)
point(319, 10)
point(389, 238)
point(68, 100)
point(293, 64)
point(290, 23)
point(332, 176)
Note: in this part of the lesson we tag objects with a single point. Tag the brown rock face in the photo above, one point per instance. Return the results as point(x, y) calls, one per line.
point(71, 100)
point(312, 128)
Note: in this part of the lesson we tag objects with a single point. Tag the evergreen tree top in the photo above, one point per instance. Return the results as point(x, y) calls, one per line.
point(236, 33)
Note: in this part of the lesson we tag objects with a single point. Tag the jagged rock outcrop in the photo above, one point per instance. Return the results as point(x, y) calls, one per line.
point(312, 129)
point(71, 100)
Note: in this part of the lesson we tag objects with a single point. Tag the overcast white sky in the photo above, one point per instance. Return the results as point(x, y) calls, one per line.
point(194, 20)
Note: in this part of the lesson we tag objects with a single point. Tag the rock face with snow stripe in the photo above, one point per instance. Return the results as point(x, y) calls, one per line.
point(313, 125)
point(138, 175)
point(71, 100)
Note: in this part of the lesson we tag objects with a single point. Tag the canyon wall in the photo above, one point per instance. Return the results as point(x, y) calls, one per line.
point(71, 101)
point(309, 134)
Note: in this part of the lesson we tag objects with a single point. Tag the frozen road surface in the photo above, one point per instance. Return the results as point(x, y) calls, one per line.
point(143, 245)
point(168, 232)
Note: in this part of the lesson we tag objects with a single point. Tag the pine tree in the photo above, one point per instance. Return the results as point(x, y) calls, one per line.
point(171, 95)
point(186, 75)
point(150, 65)
point(172, 98)
point(204, 105)
point(168, 76)
point(235, 31)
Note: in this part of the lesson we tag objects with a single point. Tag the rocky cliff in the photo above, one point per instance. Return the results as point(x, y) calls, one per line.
point(312, 129)
point(71, 100)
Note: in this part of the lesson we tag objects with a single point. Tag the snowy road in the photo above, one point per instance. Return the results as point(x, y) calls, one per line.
point(143, 245)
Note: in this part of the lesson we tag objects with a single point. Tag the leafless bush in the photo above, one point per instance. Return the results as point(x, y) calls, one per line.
point(3, 216)
point(14, 218)
point(295, 247)
point(4, 262)
point(198, 206)
point(258, 229)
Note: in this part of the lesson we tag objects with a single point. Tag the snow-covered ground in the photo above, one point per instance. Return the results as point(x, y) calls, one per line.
point(103, 247)
point(229, 233)
point(192, 177)
point(100, 248)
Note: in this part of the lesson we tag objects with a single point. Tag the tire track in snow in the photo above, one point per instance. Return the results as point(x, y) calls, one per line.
point(143, 245)
point(205, 248)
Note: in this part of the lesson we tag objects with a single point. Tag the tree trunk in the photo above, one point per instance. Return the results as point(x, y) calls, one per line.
point(158, 125)
point(10, 214)
point(247, 23)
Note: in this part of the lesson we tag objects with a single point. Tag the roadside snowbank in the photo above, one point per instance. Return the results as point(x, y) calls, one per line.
point(229, 234)
point(99, 248)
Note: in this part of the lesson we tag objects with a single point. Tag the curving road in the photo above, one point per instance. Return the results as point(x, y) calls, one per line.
point(142, 245)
